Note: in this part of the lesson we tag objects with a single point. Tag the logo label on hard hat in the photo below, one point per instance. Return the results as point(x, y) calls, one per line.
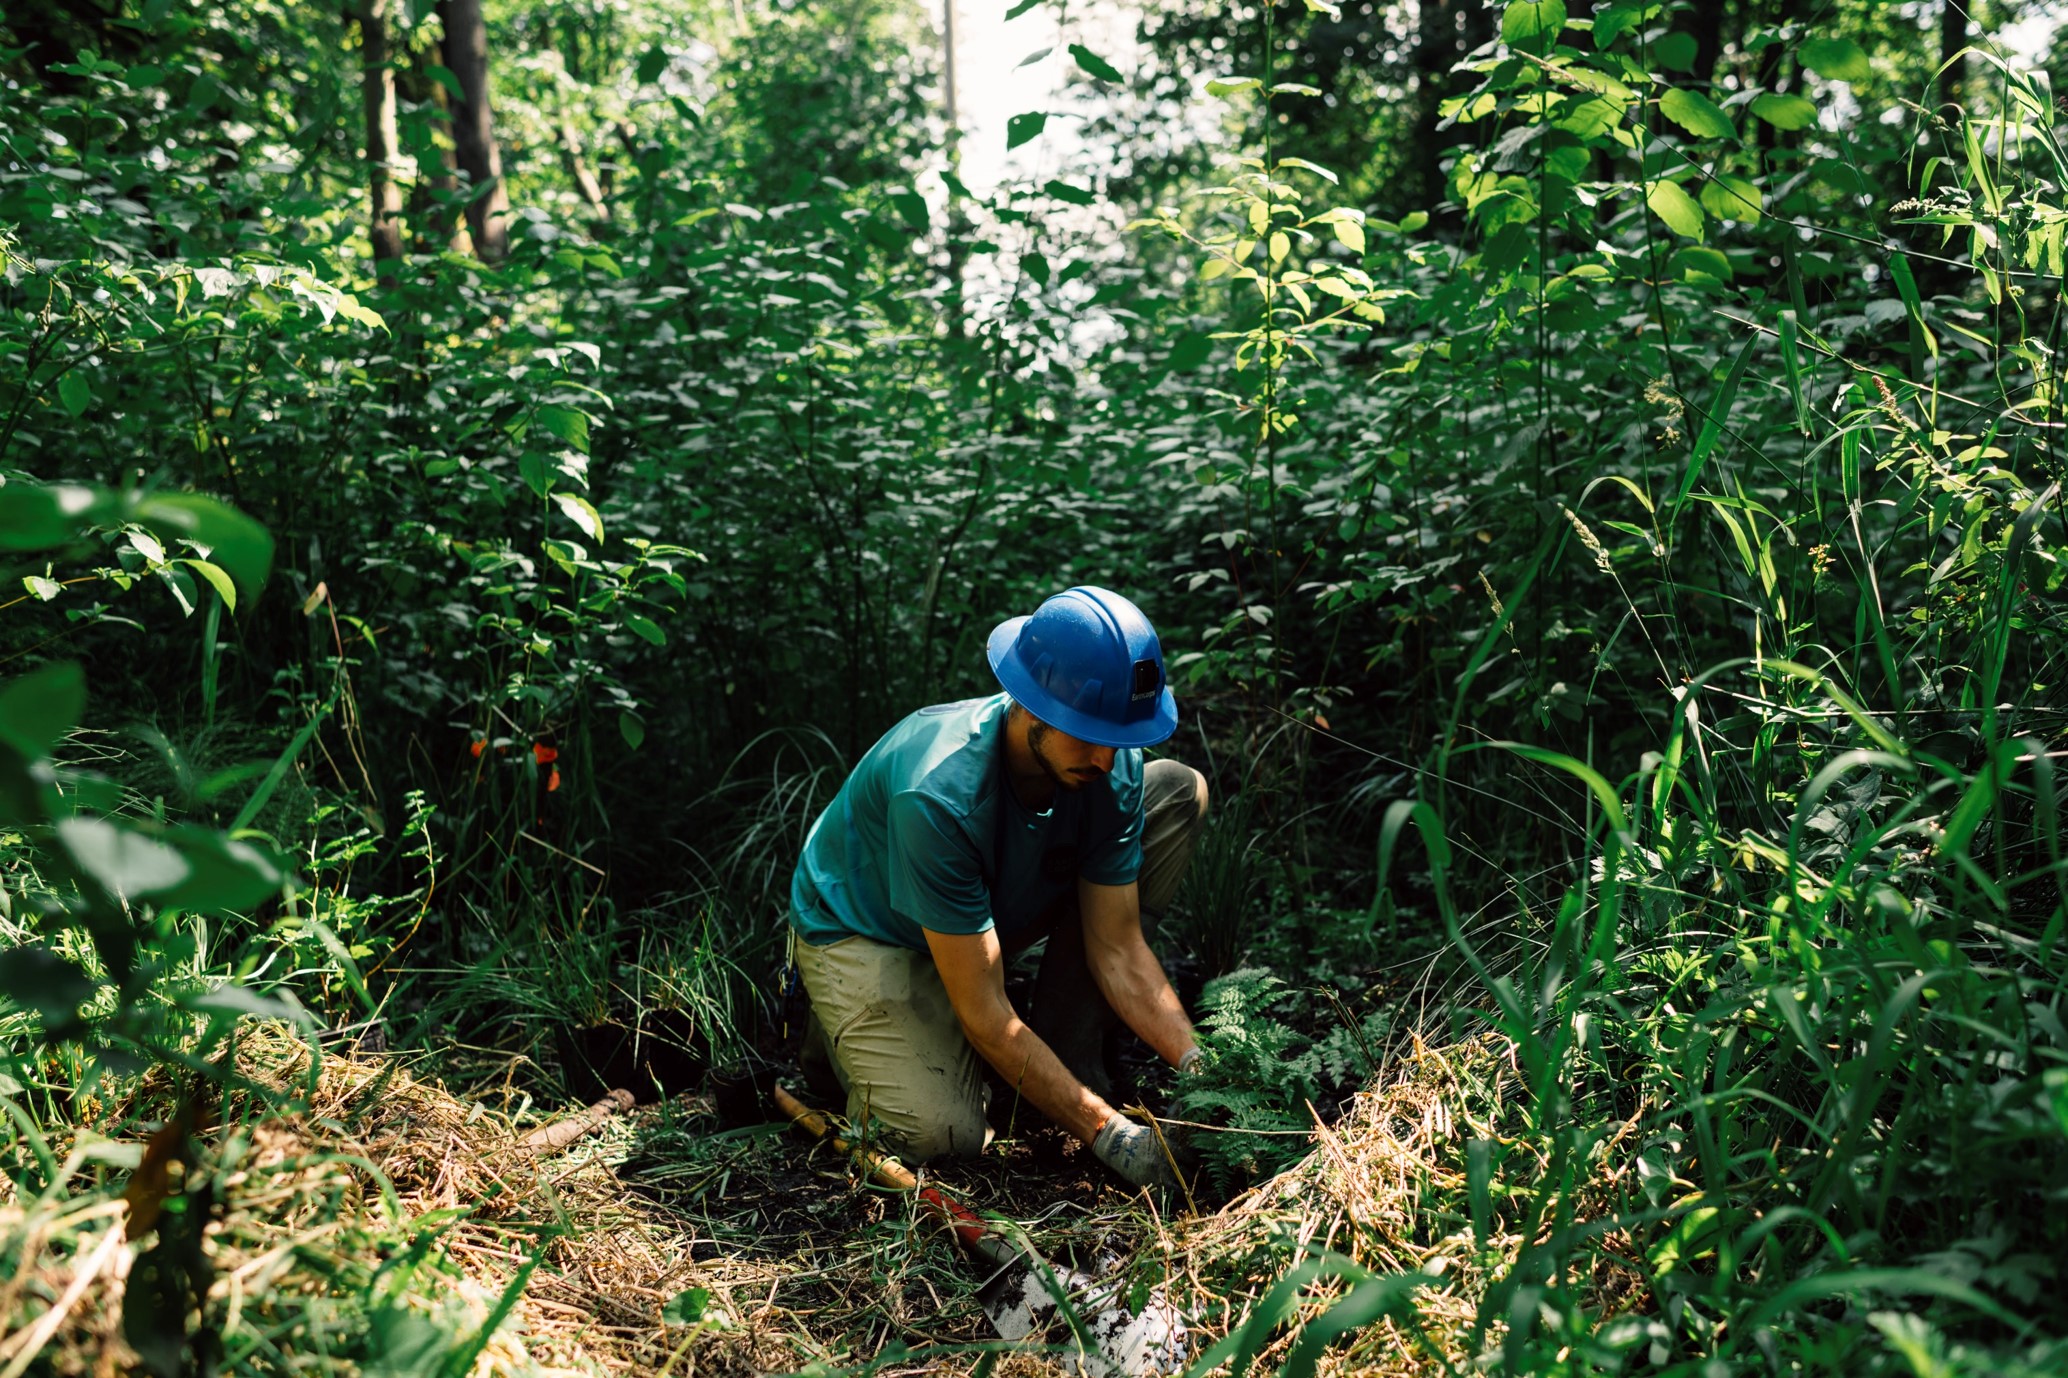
point(1148, 679)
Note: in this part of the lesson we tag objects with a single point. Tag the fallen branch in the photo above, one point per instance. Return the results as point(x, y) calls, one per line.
point(551, 1138)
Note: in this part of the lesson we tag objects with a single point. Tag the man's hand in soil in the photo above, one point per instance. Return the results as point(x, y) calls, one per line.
point(1131, 1150)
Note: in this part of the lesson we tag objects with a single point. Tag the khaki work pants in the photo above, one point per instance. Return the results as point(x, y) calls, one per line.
point(881, 1015)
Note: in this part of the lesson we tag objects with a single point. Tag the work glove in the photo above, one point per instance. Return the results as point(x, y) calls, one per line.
point(1131, 1150)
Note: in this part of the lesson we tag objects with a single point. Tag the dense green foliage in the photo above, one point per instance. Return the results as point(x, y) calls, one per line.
point(1602, 498)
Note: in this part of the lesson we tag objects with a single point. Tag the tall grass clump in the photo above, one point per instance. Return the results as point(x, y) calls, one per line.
point(1753, 748)
point(1792, 1032)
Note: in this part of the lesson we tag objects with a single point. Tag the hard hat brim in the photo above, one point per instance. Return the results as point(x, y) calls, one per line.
point(1013, 677)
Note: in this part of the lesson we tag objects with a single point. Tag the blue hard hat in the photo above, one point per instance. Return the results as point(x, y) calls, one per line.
point(1087, 663)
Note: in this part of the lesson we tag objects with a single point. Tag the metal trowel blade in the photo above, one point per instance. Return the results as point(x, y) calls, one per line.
point(1022, 1300)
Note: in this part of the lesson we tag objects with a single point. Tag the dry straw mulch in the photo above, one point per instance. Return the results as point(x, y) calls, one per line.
point(315, 1202)
point(798, 1267)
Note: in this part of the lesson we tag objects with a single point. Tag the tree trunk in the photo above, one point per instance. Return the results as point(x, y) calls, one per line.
point(433, 204)
point(575, 154)
point(383, 139)
point(1952, 39)
point(473, 127)
point(1707, 30)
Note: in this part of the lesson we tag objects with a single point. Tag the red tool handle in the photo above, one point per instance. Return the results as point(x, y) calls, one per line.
point(969, 1227)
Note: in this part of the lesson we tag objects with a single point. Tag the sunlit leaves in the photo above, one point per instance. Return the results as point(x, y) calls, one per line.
point(1839, 59)
point(1231, 86)
point(568, 423)
point(216, 579)
point(1674, 206)
point(1784, 112)
point(1733, 198)
point(1613, 21)
point(582, 513)
point(1697, 114)
point(1532, 25)
point(1698, 263)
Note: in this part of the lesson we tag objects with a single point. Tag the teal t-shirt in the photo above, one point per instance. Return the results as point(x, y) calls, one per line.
point(927, 834)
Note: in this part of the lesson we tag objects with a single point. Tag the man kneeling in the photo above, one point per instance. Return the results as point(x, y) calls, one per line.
point(968, 832)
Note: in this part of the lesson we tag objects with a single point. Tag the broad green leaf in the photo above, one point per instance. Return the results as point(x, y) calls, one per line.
point(568, 423)
point(223, 872)
point(1021, 8)
point(632, 729)
point(1317, 169)
point(180, 585)
point(148, 546)
point(217, 580)
point(1065, 191)
point(75, 392)
point(582, 513)
point(1022, 128)
point(236, 998)
point(1676, 208)
point(1839, 59)
point(1613, 21)
point(536, 471)
point(1231, 86)
point(126, 863)
point(1784, 112)
point(646, 629)
point(912, 207)
point(1678, 1244)
point(37, 516)
point(1695, 258)
point(1733, 198)
point(1094, 64)
point(1213, 268)
point(1697, 114)
point(1675, 51)
point(1532, 25)
point(1036, 267)
point(1349, 234)
point(39, 708)
point(1280, 246)
point(447, 78)
point(686, 1308)
point(234, 541)
point(36, 978)
point(652, 63)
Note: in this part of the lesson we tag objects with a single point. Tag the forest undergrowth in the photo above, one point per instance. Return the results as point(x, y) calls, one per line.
point(1596, 473)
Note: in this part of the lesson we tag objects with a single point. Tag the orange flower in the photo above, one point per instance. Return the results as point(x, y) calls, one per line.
point(478, 744)
point(553, 780)
point(544, 755)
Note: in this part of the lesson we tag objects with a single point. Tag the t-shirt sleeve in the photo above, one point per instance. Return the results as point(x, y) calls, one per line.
point(1113, 855)
point(935, 878)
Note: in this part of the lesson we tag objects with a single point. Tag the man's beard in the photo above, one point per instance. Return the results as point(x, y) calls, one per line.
point(1037, 733)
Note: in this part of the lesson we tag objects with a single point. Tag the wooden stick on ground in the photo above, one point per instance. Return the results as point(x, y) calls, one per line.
point(551, 1138)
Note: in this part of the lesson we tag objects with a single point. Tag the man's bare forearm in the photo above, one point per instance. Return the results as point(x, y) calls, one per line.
point(1134, 984)
point(1031, 1067)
